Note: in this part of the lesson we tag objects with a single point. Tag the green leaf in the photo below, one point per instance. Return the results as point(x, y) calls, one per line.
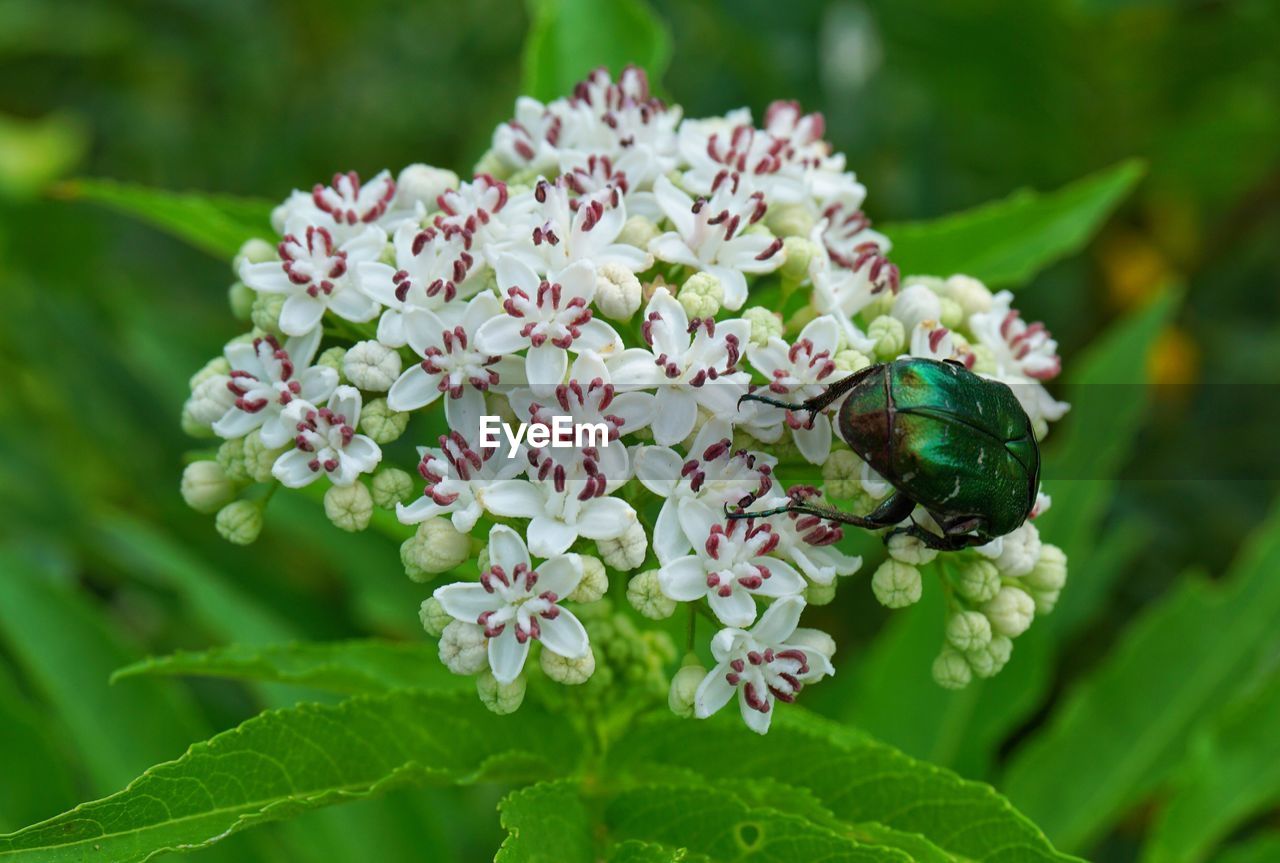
point(1005, 243)
point(217, 224)
point(1117, 733)
point(347, 667)
point(285, 762)
point(67, 650)
point(1233, 774)
point(857, 779)
point(635, 851)
point(1260, 849)
point(716, 823)
point(545, 823)
point(33, 758)
point(569, 38)
point(892, 694)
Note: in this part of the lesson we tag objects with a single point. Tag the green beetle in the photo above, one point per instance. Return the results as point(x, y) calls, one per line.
point(957, 444)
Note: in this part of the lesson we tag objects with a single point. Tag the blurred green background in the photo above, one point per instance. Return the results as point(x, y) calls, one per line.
point(940, 106)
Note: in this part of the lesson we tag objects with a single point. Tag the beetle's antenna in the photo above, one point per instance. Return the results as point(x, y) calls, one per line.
point(821, 401)
point(827, 512)
point(753, 397)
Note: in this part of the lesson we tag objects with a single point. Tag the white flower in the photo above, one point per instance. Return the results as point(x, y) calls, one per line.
point(421, 185)
point(714, 474)
point(767, 664)
point(265, 378)
point(711, 235)
point(472, 210)
point(371, 366)
point(530, 139)
point(916, 303)
point(1016, 552)
point(810, 543)
point(432, 268)
point(691, 365)
point(585, 228)
point(801, 371)
point(1025, 355)
point(327, 442)
point(454, 473)
point(730, 568)
point(548, 317)
point(344, 209)
point(933, 341)
point(516, 603)
point(452, 363)
point(316, 275)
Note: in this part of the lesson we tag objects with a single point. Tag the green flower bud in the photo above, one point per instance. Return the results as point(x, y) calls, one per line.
point(978, 580)
point(987, 661)
point(970, 294)
point(501, 698)
point(420, 183)
point(968, 630)
point(205, 486)
point(463, 648)
point(381, 423)
point(797, 253)
point(216, 367)
point(240, 298)
point(491, 163)
point(193, 427)
point(239, 522)
point(701, 296)
point(595, 581)
point(371, 366)
point(910, 549)
point(646, 596)
point(638, 231)
point(1050, 570)
point(265, 312)
point(889, 335)
point(334, 358)
point(570, 672)
point(789, 220)
point(896, 584)
point(433, 616)
point(626, 552)
point(391, 486)
point(850, 361)
point(765, 324)
point(231, 459)
point(436, 547)
point(617, 291)
point(258, 457)
point(842, 474)
point(950, 670)
point(950, 315)
point(684, 688)
point(349, 507)
point(254, 251)
point(820, 594)
point(1046, 600)
point(1011, 611)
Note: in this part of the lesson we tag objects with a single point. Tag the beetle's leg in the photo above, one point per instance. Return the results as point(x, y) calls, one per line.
point(816, 404)
point(892, 510)
point(955, 539)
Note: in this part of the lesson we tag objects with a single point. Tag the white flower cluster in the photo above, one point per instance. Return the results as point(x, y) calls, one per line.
point(598, 267)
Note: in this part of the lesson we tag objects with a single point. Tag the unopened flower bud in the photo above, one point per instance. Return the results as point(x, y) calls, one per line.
point(254, 251)
point(334, 358)
point(978, 580)
point(701, 295)
point(258, 457)
point(617, 291)
point(1046, 600)
point(970, 294)
point(240, 298)
point(684, 688)
point(349, 507)
point(391, 486)
point(231, 458)
point(436, 547)
point(570, 672)
point(501, 698)
point(1019, 551)
point(210, 399)
point(841, 474)
point(950, 315)
point(626, 552)
point(595, 581)
point(765, 324)
point(239, 522)
point(433, 616)
point(910, 549)
point(968, 630)
point(638, 231)
point(850, 361)
point(422, 184)
point(984, 359)
point(463, 648)
point(951, 670)
point(381, 423)
point(1050, 570)
point(265, 313)
point(789, 220)
point(370, 365)
point(916, 303)
point(646, 596)
point(492, 164)
point(988, 660)
point(816, 593)
point(205, 486)
point(896, 584)
point(889, 335)
point(815, 640)
point(218, 367)
point(1011, 611)
point(798, 253)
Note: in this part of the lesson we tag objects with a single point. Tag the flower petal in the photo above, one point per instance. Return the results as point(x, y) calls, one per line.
point(545, 366)
point(564, 635)
point(292, 470)
point(507, 549)
point(560, 574)
point(737, 609)
point(676, 412)
point(783, 579)
point(684, 579)
point(756, 721)
point(514, 498)
point(713, 692)
point(779, 621)
point(415, 388)
point(501, 335)
point(300, 314)
point(605, 518)
point(507, 655)
point(549, 536)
